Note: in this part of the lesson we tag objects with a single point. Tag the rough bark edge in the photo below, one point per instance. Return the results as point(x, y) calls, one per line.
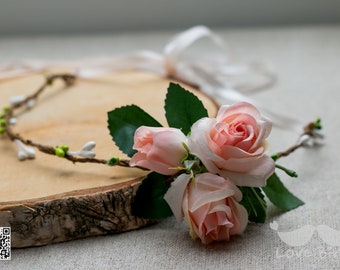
point(72, 217)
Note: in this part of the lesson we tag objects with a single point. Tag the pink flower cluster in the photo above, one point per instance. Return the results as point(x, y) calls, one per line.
point(232, 147)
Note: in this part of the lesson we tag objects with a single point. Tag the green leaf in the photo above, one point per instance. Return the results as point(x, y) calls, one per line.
point(123, 122)
point(279, 195)
point(149, 201)
point(253, 201)
point(183, 108)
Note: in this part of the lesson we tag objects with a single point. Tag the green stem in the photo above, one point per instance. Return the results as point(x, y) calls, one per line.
point(291, 173)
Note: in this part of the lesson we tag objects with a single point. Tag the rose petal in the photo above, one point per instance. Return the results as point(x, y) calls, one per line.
point(265, 129)
point(221, 208)
point(197, 143)
point(257, 177)
point(211, 197)
point(230, 151)
point(174, 195)
point(237, 108)
point(241, 220)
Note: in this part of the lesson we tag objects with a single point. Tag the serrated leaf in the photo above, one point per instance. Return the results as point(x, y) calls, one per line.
point(253, 201)
point(279, 195)
point(183, 108)
point(123, 122)
point(149, 201)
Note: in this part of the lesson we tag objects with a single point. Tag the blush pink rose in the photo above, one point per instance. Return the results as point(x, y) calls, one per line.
point(210, 206)
point(234, 144)
point(159, 149)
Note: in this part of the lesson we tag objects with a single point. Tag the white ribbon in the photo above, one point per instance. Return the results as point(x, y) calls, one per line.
point(211, 70)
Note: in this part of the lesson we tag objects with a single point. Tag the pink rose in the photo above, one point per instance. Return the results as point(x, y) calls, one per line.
point(159, 149)
point(234, 144)
point(210, 206)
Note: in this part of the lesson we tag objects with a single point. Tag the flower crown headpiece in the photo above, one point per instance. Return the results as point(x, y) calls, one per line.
point(213, 172)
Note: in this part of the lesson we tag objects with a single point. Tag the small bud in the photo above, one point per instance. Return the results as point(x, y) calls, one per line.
point(21, 155)
point(17, 99)
point(304, 139)
point(113, 161)
point(317, 123)
point(49, 80)
point(59, 152)
point(65, 148)
point(12, 121)
point(88, 146)
point(85, 151)
point(317, 133)
point(87, 154)
point(30, 103)
point(24, 151)
point(30, 152)
point(291, 173)
point(3, 123)
point(275, 157)
point(5, 109)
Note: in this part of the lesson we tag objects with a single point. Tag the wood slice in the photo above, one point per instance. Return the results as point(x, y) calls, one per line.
point(49, 200)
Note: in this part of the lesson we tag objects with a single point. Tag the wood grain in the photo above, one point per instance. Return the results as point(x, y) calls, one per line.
point(49, 200)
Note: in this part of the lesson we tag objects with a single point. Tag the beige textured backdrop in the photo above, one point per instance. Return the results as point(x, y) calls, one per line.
point(307, 63)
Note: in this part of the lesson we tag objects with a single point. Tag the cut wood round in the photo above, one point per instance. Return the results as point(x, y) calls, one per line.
point(49, 200)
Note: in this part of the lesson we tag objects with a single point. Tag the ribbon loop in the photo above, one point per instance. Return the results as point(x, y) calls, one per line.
point(211, 69)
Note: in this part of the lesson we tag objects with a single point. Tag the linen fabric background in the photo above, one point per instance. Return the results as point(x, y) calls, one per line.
point(306, 60)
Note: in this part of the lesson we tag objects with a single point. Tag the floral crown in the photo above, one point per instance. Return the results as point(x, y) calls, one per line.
point(213, 172)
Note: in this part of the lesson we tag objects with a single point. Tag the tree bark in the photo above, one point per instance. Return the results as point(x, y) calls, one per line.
point(72, 215)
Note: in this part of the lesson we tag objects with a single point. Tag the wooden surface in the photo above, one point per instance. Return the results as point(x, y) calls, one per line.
point(49, 200)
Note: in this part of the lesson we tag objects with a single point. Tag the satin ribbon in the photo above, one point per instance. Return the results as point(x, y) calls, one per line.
point(212, 70)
